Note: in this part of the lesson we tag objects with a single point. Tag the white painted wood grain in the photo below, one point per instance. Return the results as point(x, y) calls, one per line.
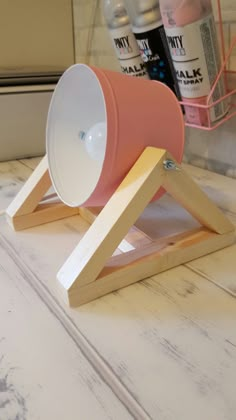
point(170, 341)
point(31, 162)
point(220, 267)
point(12, 176)
point(43, 374)
point(220, 189)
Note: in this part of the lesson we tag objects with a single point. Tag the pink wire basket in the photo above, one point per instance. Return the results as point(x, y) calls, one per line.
point(229, 96)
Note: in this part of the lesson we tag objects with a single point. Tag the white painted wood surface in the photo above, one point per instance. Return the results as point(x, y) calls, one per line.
point(166, 347)
point(43, 373)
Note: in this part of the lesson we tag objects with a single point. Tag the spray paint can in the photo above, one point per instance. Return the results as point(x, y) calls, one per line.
point(123, 39)
point(149, 31)
point(191, 34)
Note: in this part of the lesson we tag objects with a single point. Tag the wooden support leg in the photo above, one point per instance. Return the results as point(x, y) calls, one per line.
point(114, 221)
point(90, 271)
point(84, 276)
point(185, 191)
point(25, 210)
point(128, 268)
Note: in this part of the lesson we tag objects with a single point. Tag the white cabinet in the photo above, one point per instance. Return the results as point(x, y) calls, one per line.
point(36, 46)
point(36, 36)
point(23, 112)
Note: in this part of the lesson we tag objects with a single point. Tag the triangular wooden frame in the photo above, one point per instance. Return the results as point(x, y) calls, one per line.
point(91, 271)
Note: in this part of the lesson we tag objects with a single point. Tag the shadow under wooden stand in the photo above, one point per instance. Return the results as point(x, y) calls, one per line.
point(91, 271)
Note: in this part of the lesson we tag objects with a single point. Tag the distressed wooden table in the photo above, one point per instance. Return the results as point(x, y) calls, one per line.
point(162, 349)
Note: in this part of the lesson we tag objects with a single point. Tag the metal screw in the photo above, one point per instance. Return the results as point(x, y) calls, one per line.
point(170, 165)
point(82, 135)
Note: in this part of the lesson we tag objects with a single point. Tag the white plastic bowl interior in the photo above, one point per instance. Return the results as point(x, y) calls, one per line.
point(77, 105)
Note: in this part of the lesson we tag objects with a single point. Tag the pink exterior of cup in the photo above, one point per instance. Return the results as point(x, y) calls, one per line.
point(140, 113)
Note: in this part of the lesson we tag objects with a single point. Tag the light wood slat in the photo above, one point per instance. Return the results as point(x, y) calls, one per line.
point(25, 211)
point(44, 213)
point(128, 268)
point(29, 196)
point(43, 374)
point(32, 163)
point(114, 221)
point(219, 267)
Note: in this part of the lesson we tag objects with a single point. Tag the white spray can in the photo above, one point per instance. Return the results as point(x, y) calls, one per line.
point(147, 26)
point(123, 39)
point(191, 33)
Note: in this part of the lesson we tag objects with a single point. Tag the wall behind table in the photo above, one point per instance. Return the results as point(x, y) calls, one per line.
point(216, 150)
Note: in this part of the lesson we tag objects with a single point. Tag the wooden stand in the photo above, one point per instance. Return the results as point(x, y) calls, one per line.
point(91, 271)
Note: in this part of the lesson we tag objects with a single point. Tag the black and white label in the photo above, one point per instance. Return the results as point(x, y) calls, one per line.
point(156, 55)
point(127, 51)
point(196, 58)
point(194, 72)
